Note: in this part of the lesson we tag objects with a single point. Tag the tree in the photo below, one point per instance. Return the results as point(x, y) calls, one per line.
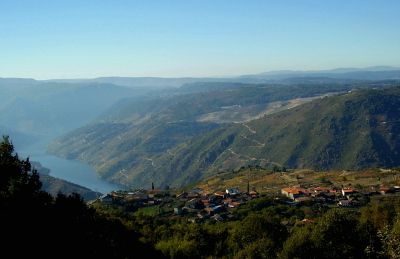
point(337, 235)
point(191, 241)
point(299, 245)
point(390, 237)
point(16, 178)
point(32, 221)
point(23, 206)
point(20, 194)
point(262, 234)
point(379, 215)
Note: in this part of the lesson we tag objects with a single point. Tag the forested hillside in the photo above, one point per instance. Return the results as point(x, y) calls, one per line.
point(262, 227)
point(181, 138)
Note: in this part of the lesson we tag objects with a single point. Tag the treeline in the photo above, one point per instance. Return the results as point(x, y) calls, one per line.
point(36, 224)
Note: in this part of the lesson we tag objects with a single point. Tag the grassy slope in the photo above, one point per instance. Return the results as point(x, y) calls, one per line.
point(266, 181)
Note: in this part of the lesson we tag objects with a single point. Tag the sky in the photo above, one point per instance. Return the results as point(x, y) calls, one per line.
point(57, 39)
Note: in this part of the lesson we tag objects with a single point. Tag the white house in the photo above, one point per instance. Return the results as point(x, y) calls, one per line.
point(232, 191)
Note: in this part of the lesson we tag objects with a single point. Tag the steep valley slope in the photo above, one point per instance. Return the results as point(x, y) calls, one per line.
point(189, 137)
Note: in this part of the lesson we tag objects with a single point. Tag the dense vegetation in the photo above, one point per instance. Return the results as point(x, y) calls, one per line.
point(37, 224)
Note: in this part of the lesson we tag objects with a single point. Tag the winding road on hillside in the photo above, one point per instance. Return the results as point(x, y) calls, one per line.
point(259, 146)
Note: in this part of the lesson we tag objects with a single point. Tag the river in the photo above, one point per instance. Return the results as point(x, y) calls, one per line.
point(70, 170)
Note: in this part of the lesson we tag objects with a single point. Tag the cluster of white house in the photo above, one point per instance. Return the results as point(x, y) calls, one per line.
point(343, 196)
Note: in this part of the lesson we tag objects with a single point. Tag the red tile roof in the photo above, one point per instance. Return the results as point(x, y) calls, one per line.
point(296, 190)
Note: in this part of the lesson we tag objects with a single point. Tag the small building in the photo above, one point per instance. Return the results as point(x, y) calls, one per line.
point(384, 190)
point(234, 204)
point(232, 191)
point(348, 191)
point(253, 194)
point(209, 211)
point(295, 192)
point(195, 204)
point(227, 201)
point(220, 194)
point(178, 210)
point(141, 197)
point(334, 192)
point(205, 194)
point(321, 189)
point(346, 203)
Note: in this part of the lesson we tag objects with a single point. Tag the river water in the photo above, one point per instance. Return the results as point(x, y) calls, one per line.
point(72, 171)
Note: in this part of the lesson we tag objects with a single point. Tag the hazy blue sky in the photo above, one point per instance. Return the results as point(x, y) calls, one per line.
point(193, 38)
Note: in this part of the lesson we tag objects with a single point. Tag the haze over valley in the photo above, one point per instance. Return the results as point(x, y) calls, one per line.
point(171, 92)
point(183, 129)
point(200, 129)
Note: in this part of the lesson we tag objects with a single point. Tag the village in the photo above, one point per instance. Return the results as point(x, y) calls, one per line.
point(200, 206)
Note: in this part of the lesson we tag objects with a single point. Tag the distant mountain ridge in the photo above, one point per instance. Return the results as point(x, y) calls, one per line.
point(368, 73)
point(336, 70)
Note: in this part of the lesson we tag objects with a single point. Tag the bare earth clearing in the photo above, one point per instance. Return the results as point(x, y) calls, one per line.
point(239, 114)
